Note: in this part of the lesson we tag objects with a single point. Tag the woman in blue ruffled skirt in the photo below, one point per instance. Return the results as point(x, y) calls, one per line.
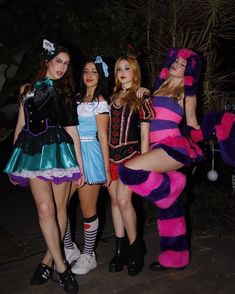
point(93, 116)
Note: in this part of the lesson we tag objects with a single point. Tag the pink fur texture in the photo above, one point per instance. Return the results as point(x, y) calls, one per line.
point(224, 128)
point(177, 184)
point(188, 80)
point(144, 189)
point(172, 227)
point(174, 259)
point(196, 135)
point(185, 53)
point(164, 74)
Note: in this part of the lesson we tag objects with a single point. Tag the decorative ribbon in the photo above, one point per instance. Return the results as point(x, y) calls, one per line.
point(44, 82)
point(104, 65)
point(48, 47)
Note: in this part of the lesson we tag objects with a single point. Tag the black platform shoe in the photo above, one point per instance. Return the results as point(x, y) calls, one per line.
point(137, 250)
point(157, 267)
point(41, 275)
point(68, 282)
point(119, 259)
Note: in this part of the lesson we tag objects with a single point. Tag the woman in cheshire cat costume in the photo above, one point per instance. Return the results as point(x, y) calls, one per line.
point(154, 174)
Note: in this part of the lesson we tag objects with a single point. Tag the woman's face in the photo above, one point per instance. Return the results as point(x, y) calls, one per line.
point(178, 68)
point(90, 75)
point(57, 66)
point(124, 73)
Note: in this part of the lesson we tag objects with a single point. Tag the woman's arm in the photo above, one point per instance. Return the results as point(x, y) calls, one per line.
point(190, 111)
point(20, 123)
point(144, 135)
point(21, 119)
point(102, 126)
point(141, 92)
point(73, 132)
point(102, 120)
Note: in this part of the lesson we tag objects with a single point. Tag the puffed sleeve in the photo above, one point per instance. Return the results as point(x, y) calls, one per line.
point(146, 110)
point(101, 107)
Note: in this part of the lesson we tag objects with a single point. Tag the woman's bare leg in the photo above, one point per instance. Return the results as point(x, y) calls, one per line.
point(61, 194)
point(116, 214)
point(155, 160)
point(43, 195)
point(88, 196)
point(124, 200)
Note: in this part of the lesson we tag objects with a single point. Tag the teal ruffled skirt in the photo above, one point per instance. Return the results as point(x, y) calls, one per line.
point(49, 156)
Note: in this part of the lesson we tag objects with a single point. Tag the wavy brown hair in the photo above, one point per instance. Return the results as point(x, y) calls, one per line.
point(65, 84)
point(130, 97)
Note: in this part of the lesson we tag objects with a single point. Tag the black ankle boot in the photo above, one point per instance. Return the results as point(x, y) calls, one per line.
point(119, 259)
point(137, 250)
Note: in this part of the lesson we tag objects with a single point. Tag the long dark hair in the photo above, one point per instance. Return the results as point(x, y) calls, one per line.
point(65, 85)
point(101, 88)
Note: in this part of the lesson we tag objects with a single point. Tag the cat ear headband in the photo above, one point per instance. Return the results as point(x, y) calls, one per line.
point(192, 70)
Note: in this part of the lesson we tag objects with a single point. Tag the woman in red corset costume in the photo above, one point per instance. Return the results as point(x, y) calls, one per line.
point(128, 136)
point(154, 174)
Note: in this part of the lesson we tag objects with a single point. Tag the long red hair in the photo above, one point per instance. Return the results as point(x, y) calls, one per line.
point(130, 97)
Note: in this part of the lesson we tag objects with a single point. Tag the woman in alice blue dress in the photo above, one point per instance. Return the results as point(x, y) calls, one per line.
point(46, 155)
point(93, 116)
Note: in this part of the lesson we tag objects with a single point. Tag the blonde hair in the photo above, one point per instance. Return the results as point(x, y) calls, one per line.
point(176, 93)
point(130, 96)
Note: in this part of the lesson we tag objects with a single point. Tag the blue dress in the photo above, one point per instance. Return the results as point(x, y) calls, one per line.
point(93, 161)
point(43, 148)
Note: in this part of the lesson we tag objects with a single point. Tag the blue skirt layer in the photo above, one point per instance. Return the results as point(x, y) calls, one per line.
point(94, 170)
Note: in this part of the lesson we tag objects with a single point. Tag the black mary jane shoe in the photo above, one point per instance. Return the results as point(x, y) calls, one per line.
point(157, 267)
point(68, 282)
point(41, 275)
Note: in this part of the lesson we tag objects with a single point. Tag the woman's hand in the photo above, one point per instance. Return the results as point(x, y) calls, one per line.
point(108, 179)
point(141, 92)
point(80, 182)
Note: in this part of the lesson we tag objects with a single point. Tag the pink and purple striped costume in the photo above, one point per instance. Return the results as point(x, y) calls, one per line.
point(163, 189)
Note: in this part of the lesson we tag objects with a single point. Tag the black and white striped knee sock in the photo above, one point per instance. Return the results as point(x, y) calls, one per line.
point(90, 233)
point(68, 242)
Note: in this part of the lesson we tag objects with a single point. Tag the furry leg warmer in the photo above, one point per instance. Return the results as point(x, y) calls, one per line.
point(161, 188)
point(173, 240)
